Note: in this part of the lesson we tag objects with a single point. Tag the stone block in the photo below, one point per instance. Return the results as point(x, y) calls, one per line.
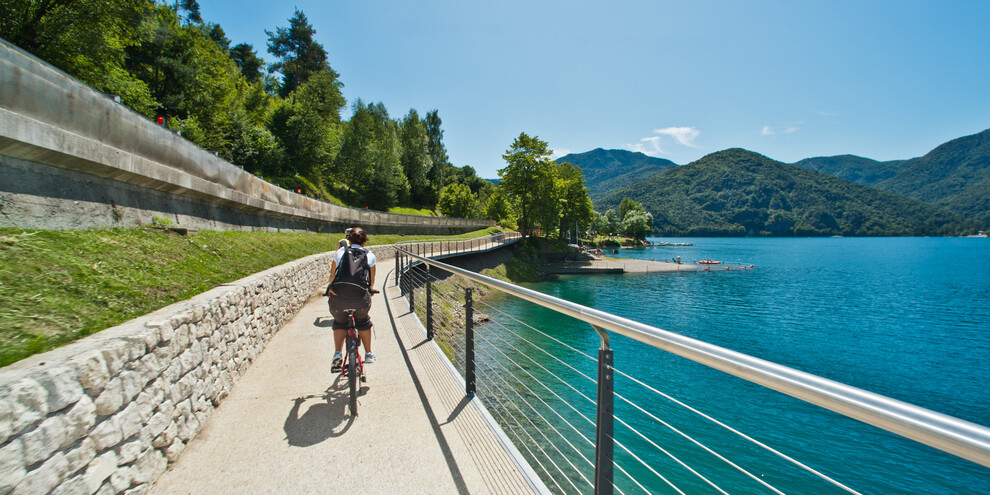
point(173, 451)
point(139, 489)
point(45, 478)
point(181, 337)
point(80, 456)
point(149, 466)
point(75, 485)
point(27, 403)
point(166, 437)
point(121, 478)
point(42, 441)
point(129, 420)
point(152, 336)
point(62, 385)
point(12, 467)
point(107, 434)
point(116, 354)
point(92, 371)
point(79, 420)
point(111, 399)
point(131, 384)
point(128, 452)
point(157, 424)
point(6, 420)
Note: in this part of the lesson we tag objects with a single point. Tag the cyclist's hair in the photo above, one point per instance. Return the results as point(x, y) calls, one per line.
point(357, 236)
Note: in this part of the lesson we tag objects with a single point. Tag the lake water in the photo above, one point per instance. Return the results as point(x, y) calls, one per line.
point(904, 317)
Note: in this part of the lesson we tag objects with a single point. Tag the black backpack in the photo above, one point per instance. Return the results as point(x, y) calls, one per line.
point(353, 274)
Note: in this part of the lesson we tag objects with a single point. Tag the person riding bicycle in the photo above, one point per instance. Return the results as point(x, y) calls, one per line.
point(352, 282)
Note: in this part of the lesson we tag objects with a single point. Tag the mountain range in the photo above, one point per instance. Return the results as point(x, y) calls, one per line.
point(739, 192)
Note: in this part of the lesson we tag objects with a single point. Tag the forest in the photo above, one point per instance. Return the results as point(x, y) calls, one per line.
point(279, 119)
point(737, 192)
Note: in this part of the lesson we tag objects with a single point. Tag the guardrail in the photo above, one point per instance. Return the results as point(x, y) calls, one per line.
point(452, 325)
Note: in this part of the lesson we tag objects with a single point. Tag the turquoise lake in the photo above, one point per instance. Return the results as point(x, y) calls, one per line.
point(908, 318)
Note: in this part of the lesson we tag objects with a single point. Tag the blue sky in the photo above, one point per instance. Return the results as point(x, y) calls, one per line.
point(677, 80)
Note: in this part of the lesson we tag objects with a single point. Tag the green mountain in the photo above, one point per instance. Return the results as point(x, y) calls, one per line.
point(955, 175)
point(608, 170)
point(851, 167)
point(738, 192)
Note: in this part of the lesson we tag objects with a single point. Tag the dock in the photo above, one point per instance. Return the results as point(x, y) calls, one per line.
point(619, 265)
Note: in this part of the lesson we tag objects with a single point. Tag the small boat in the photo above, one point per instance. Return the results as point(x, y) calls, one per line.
point(709, 262)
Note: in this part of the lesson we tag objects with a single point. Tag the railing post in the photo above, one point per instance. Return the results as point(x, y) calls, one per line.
point(397, 267)
point(429, 305)
point(469, 377)
point(604, 441)
point(412, 296)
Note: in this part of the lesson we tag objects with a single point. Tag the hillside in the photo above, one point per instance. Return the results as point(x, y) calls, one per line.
point(608, 170)
point(955, 175)
point(738, 192)
point(851, 167)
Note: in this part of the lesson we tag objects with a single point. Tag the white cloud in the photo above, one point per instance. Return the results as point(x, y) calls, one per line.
point(787, 129)
point(683, 135)
point(651, 148)
point(557, 153)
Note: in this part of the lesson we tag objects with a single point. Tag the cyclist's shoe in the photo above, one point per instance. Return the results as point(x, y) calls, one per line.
point(335, 364)
point(369, 358)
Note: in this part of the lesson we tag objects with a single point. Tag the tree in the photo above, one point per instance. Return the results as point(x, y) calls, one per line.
point(87, 39)
point(528, 179)
point(637, 224)
point(441, 167)
point(299, 56)
point(246, 58)
point(577, 211)
point(309, 127)
point(611, 222)
point(369, 158)
point(456, 200)
point(626, 206)
point(416, 160)
point(499, 208)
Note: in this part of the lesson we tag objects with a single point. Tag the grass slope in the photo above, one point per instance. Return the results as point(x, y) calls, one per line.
point(58, 286)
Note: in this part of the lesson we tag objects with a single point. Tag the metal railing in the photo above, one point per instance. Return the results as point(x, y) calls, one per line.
point(434, 291)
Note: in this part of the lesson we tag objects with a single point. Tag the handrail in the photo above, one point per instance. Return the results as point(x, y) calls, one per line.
point(955, 436)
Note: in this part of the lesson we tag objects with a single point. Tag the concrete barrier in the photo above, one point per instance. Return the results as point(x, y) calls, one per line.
point(71, 157)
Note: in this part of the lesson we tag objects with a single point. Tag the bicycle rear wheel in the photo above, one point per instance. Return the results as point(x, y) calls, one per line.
point(352, 375)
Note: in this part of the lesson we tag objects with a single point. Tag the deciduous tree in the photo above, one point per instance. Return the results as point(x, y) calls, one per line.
point(528, 178)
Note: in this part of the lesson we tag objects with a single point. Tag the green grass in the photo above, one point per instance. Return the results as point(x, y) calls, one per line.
point(403, 210)
point(59, 286)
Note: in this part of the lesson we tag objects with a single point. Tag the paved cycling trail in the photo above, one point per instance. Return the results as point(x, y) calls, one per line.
point(286, 428)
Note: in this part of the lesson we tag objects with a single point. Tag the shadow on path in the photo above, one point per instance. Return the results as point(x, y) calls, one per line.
point(444, 446)
point(321, 420)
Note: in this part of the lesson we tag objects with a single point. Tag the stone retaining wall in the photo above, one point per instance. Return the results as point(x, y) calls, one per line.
point(107, 414)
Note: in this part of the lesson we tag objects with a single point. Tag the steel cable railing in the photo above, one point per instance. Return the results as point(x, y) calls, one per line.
point(521, 382)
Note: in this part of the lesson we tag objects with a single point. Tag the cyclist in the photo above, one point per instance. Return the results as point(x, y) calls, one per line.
point(352, 282)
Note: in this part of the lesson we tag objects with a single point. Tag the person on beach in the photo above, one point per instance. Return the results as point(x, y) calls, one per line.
point(351, 285)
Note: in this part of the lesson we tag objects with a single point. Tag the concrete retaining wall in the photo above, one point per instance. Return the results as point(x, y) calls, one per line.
point(71, 157)
point(107, 413)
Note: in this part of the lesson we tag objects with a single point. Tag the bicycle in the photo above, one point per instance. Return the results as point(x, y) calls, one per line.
point(353, 365)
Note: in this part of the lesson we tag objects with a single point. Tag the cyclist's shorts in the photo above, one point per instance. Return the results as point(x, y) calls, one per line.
point(362, 320)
